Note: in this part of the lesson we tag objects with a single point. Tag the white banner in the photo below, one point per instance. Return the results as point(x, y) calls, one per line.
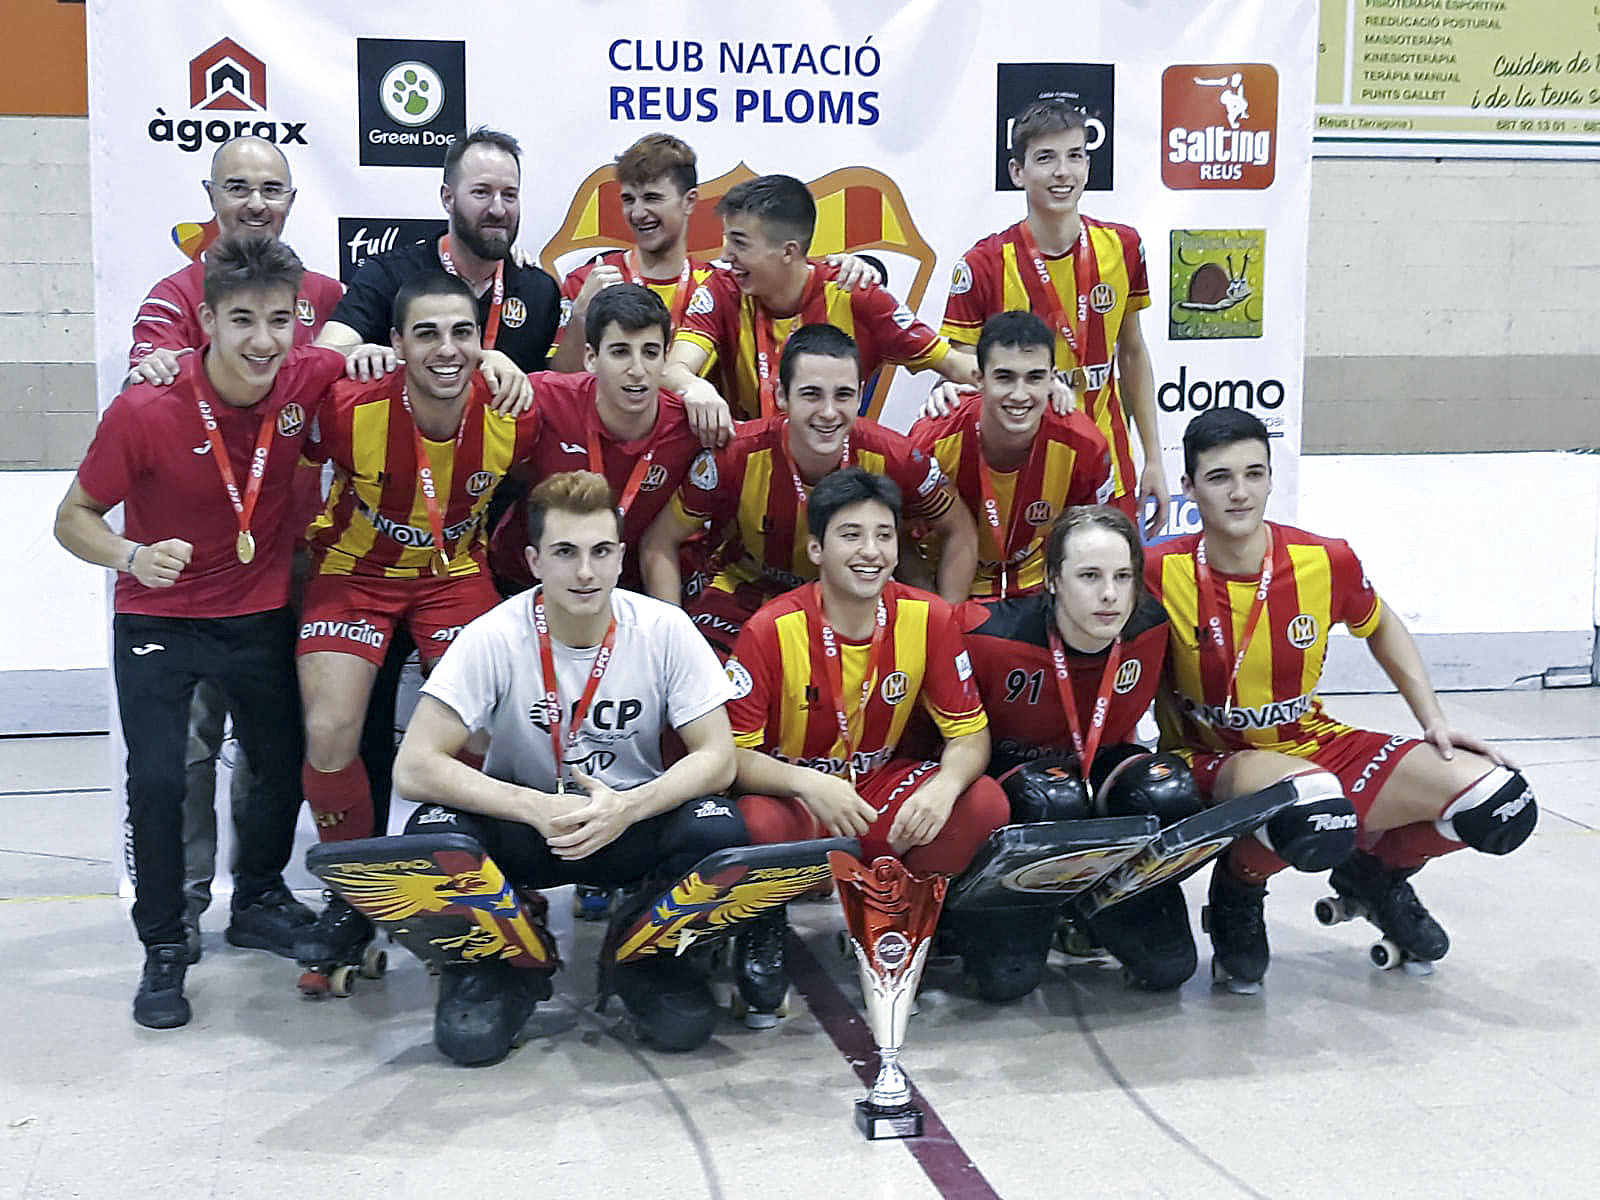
point(895, 114)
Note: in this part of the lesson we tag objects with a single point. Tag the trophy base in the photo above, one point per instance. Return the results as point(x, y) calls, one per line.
point(877, 1124)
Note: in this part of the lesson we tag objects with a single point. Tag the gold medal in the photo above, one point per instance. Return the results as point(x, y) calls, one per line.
point(245, 546)
point(440, 564)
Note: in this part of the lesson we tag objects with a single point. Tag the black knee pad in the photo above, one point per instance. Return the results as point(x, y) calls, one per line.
point(1318, 831)
point(1494, 815)
point(1143, 783)
point(436, 818)
point(700, 827)
point(1046, 789)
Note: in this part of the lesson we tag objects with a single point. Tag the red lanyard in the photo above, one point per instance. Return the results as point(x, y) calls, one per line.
point(1069, 703)
point(767, 347)
point(680, 297)
point(635, 479)
point(833, 670)
point(440, 564)
point(1041, 289)
point(1212, 623)
point(244, 509)
point(552, 687)
point(800, 500)
point(991, 506)
point(491, 328)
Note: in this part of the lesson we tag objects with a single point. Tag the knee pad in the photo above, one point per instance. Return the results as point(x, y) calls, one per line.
point(1318, 830)
point(1142, 783)
point(436, 818)
point(1494, 815)
point(1046, 789)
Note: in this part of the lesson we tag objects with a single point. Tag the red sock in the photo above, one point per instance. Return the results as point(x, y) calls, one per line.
point(1412, 845)
point(340, 801)
point(769, 819)
point(1251, 862)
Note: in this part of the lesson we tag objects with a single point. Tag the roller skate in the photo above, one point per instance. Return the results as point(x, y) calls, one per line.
point(1236, 920)
point(1365, 888)
point(760, 980)
point(591, 903)
point(335, 949)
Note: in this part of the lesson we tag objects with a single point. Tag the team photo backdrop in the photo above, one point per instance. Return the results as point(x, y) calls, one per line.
point(897, 116)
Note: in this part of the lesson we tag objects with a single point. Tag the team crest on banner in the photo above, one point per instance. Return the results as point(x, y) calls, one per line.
point(859, 210)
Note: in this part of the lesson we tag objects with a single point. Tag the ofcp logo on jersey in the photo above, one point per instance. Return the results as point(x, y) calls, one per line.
point(225, 78)
point(362, 237)
point(1219, 125)
point(413, 100)
point(1216, 283)
point(1089, 86)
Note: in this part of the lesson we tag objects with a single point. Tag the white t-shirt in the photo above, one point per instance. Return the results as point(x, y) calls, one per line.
point(662, 673)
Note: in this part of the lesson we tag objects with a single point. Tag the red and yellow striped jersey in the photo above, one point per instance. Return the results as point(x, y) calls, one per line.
point(376, 518)
point(721, 321)
point(667, 289)
point(745, 491)
point(988, 280)
point(783, 706)
point(1069, 464)
point(1317, 582)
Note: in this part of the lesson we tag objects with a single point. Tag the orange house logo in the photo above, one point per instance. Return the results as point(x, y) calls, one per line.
point(859, 211)
point(1219, 124)
point(227, 76)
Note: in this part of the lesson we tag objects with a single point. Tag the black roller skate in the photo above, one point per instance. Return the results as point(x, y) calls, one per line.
point(1365, 888)
point(1236, 920)
point(759, 975)
point(335, 949)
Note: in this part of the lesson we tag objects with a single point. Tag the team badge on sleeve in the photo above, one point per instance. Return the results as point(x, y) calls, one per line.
point(701, 302)
point(739, 676)
point(703, 471)
point(961, 279)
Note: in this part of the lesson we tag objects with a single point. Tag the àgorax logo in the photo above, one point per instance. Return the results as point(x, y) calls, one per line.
point(225, 78)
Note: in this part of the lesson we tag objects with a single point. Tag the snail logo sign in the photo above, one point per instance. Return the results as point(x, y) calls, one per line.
point(1217, 281)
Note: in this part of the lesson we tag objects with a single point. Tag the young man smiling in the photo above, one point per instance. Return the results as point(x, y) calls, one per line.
point(753, 494)
point(1252, 604)
point(1086, 279)
point(204, 470)
point(1016, 462)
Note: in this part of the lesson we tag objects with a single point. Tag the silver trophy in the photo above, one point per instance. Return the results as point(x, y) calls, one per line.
point(890, 914)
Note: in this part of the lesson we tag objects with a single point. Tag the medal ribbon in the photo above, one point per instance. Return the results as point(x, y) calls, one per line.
point(1069, 703)
point(800, 501)
point(491, 327)
point(430, 495)
point(635, 478)
point(680, 297)
point(1027, 484)
point(552, 687)
point(833, 672)
point(1211, 622)
point(244, 508)
point(767, 347)
point(1042, 295)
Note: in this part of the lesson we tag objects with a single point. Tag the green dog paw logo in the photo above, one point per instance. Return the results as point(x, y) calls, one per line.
point(412, 93)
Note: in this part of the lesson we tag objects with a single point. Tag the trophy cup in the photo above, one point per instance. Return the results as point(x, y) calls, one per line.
point(890, 914)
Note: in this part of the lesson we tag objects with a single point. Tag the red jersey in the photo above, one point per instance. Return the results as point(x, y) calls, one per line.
point(1009, 643)
point(784, 705)
point(1069, 464)
point(745, 342)
point(569, 436)
point(169, 317)
point(151, 454)
point(1098, 284)
point(670, 288)
point(746, 492)
point(1317, 582)
point(376, 521)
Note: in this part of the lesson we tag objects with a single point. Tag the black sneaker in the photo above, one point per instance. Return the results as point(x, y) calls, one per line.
point(1391, 905)
point(1150, 936)
point(159, 1002)
point(1004, 952)
point(758, 967)
point(1236, 920)
point(271, 921)
point(482, 1008)
point(669, 999)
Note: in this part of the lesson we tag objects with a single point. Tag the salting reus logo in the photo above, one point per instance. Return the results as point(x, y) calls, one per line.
point(413, 100)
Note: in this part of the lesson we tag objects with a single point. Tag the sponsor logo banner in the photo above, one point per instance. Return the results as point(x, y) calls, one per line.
point(362, 237)
point(1217, 277)
point(413, 100)
point(1089, 86)
point(1219, 126)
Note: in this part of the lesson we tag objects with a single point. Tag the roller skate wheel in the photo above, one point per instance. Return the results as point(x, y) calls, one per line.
point(342, 981)
point(1328, 911)
point(1385, 955)
point(374, 962)
point(313, 985)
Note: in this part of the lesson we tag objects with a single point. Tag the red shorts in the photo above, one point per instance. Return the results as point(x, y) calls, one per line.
point(719, 615)
point(1361, 759)
point(357, 614)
